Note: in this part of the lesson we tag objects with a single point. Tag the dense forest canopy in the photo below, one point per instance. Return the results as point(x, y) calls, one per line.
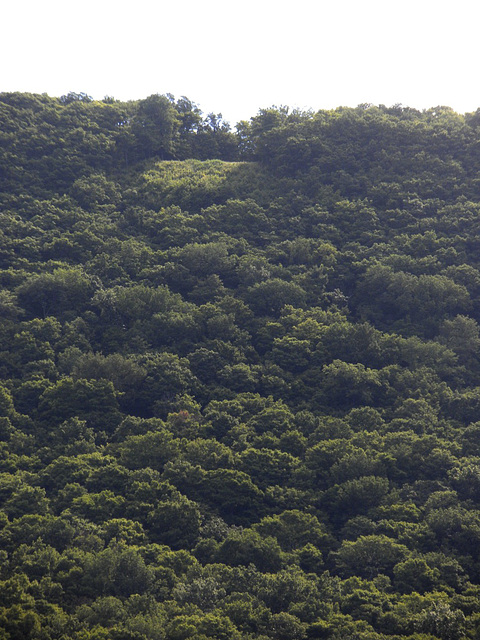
point(240, 372)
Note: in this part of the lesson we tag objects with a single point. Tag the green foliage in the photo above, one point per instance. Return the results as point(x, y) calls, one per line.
point(65, 291)
point(294, 530)
point(240, 372)
point(369, 555)
point(176, 523)
point(248, 547)
point(92, 400)
point(269, 297)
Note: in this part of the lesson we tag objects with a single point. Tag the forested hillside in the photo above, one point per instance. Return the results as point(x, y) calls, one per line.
point(240, 372)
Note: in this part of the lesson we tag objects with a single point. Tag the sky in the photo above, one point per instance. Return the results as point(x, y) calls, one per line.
point(235, 57)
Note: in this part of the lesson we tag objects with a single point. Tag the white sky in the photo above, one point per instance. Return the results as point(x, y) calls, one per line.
point(235, 57)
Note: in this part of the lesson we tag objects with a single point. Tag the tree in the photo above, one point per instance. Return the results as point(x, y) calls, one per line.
point(369, 555)
point(116, 571)
point(266, 467)
point(462, 335)
point(294, 529)
point(249, 547)
point(26, 500)
point(200, 627)
point(414, 574)
point(168, 378)
point(356, 496)
point(125, 374)
point(65, 291)
point(233, 493)
point(92, 400)
point(269, 297)
point(98, 507)
point(94, 191)
point(442, 621)
point(348, 385)
point(397, 299)
point(155, 126)
point(176, 523)
point(153, 449)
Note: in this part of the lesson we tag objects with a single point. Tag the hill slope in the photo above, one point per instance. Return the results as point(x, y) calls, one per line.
point(240, 372)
